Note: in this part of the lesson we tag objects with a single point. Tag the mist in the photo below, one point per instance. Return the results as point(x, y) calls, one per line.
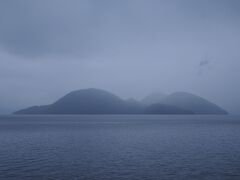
point(130, 47)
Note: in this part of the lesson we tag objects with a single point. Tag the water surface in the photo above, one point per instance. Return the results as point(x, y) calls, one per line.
point(130, 147)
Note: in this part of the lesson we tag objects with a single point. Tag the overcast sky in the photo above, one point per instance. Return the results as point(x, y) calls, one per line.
point(129, 47)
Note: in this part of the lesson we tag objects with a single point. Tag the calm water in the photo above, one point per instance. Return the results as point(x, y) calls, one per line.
point(120, 147)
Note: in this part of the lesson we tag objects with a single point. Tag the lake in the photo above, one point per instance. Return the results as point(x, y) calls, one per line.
point(122, 147)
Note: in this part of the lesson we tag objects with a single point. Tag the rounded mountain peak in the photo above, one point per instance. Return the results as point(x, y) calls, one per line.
point(90, 101)
point(91, 93)
point(194, 103)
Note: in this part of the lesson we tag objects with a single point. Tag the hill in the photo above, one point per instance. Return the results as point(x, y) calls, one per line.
point(153, 98)
point(85, 101)
point(194, 103)
point(165, 109)
point(97, 101)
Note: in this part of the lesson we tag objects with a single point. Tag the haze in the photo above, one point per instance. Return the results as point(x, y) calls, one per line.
point(129, 47)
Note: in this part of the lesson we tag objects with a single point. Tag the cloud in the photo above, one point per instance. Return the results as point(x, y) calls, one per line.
point(39, 28)
point(204, 62)
point(90, 28)
point(204, 65)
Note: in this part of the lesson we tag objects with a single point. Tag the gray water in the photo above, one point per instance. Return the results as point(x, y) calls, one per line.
point(110, 147)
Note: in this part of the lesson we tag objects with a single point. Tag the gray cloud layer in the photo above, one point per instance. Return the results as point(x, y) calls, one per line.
point(86, 27)
point(131, 47)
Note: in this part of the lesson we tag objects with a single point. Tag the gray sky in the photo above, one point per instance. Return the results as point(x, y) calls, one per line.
point(129, 47)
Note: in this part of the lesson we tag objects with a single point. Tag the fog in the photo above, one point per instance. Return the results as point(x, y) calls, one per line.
point(129, 47)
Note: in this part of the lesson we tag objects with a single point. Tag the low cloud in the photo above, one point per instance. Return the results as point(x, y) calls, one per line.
point(204, 62)
point(93, 28)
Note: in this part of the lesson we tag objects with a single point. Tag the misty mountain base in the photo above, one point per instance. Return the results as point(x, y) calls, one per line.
point(96, 101)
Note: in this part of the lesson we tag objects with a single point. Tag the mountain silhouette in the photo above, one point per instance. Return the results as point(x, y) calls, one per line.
point(153, 98)
point(97, 101)
point(165, 109)
point(192, 102)
point(86, 101)
point(135, 106)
